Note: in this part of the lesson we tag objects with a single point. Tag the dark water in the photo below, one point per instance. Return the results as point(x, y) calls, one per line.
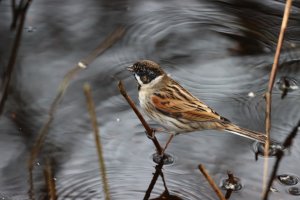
point(222, 51)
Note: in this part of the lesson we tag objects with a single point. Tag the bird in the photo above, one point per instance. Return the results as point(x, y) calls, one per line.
point(169, 104)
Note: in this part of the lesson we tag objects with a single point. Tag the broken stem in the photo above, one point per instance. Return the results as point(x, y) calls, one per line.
point(268, 94)
point(211, 182)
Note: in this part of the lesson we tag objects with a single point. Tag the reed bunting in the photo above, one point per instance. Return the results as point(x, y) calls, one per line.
point(176, 109)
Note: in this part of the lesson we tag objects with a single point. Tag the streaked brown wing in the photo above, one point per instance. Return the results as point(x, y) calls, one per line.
point(192, 110)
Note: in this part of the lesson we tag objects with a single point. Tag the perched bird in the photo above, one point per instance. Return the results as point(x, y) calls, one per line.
point(176, 109)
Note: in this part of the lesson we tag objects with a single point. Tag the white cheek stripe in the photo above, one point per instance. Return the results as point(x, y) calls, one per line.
point(138, 80)
point(148, 85)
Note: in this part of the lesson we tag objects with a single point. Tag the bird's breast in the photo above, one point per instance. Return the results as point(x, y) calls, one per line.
point(144, 99)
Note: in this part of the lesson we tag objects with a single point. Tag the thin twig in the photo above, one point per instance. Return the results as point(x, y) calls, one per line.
point(108, 42)
point(167, 143)
point(268, 94)
point(155, 177)
point(31, 186)
point(93, 116)
point(14, 12)
point(166, 192)
point(51, 186)
point(287, 144)
point(149, 131)
point(211, 182)
point(13, 55)
point(17, 10)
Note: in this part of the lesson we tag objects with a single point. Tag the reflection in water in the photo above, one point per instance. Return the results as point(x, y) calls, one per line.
point(167, 196)
point(221, 51)
point(286, 84)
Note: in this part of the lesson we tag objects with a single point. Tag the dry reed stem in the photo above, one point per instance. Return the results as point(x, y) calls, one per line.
point(15, 14)
point(211, 182)
point(268, 94)
point(14, 52)
point(51, 186)
point(286, 144)
point(31, 186)
point(93, 116)
point(149, 131)
point(17, 10)
point(107, 43)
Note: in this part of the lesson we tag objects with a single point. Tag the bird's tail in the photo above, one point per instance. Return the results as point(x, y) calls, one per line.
point(260, 137)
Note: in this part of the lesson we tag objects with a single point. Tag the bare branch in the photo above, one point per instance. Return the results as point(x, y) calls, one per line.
point(13, 55)
point(268, 94)
point(211, 182)
point(149, 131)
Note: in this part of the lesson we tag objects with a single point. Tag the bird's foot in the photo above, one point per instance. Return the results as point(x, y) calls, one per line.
point(152, 135)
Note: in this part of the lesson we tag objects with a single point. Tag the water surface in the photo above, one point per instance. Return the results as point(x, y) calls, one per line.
point(222, 51)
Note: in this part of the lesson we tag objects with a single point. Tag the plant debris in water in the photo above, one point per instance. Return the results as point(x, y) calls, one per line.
point(287, 179)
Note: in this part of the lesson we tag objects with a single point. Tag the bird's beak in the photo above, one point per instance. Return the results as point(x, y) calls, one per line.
point(130, 68)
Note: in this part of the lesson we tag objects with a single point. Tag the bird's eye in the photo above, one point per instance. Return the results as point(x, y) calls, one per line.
point(146, 75)
point(144, 79)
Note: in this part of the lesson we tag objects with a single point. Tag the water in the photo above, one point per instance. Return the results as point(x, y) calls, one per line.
point(222, 51)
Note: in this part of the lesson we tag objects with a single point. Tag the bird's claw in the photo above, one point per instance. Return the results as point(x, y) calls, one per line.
point(151, 137)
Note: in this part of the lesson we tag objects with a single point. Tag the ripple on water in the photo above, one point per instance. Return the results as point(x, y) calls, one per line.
point(295, 191)
point(287, 83)
point(167, 196)
point(258, 148)
point(192, 35)
point(79, 186)
point(124, 181)
point(234, 184)
point(168, 158)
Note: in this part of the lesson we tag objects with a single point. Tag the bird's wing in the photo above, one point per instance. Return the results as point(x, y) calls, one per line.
point(190, 109)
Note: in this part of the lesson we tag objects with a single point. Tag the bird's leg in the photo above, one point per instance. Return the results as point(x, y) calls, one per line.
point(167, 144)
point(160, 129)
point(154, 130)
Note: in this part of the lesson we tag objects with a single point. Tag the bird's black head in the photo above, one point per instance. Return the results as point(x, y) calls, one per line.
point(145, 71)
